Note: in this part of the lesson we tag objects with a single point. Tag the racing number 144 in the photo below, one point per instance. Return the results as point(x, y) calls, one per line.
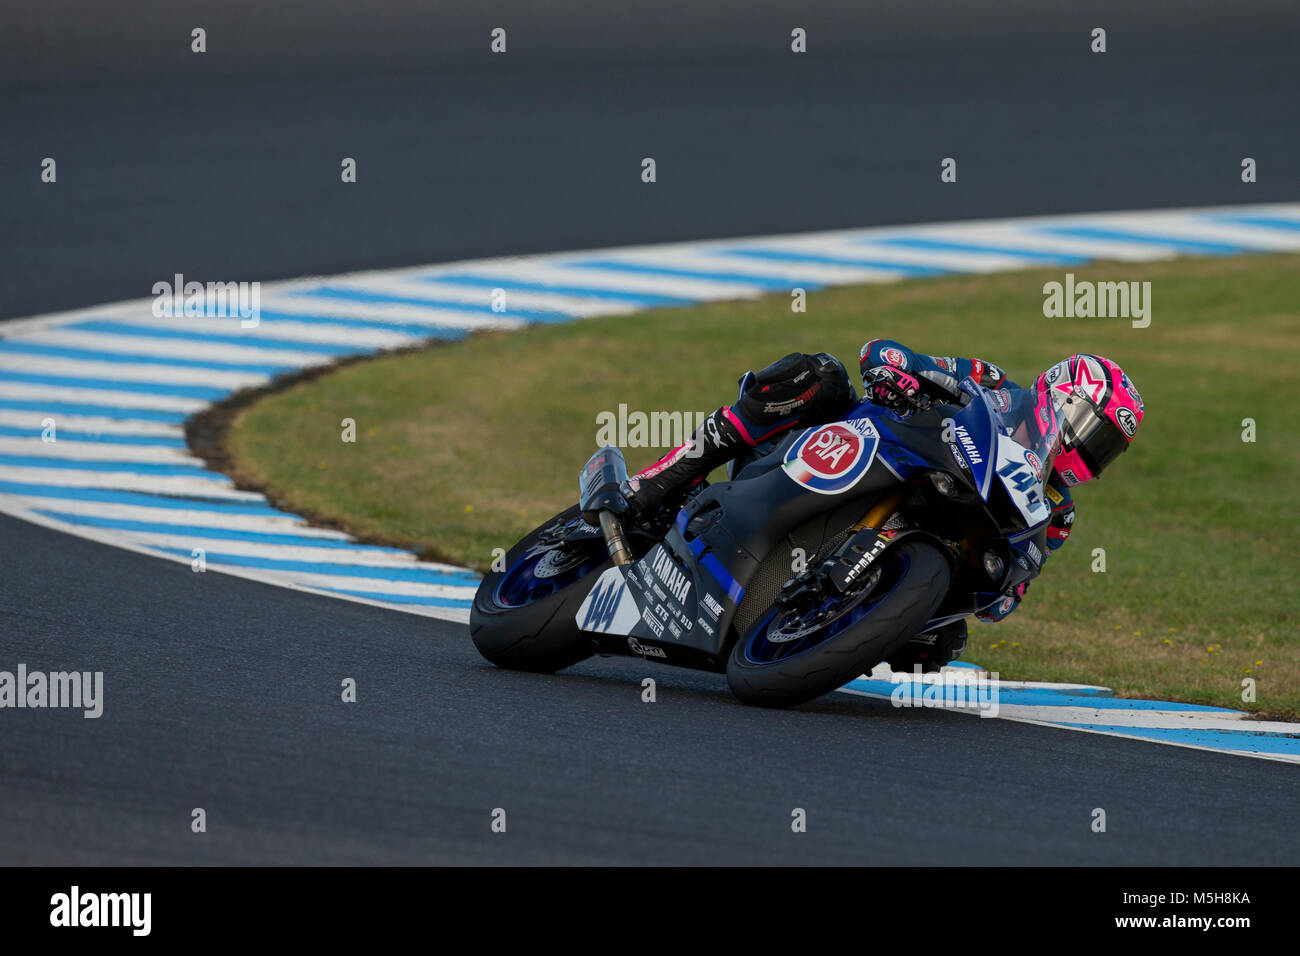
point(1022, 476)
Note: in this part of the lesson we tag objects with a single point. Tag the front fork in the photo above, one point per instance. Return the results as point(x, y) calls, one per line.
point(615, 538)
point(601, 499)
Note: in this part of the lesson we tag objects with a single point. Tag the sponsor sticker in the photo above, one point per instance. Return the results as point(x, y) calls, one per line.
point(673, 578)
point(968, 445)
point(1034, 463)
point(1137, 396)
point(894, 357)
point(832, 458)
point(1127, 421)
point(784, 408)
point(652, 622)
point(712, 606)
point(645, 650)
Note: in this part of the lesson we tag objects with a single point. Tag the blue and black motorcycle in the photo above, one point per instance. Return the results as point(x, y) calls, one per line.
point(819, 556)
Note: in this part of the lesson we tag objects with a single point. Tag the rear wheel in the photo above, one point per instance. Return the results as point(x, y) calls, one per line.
point(791, 656)
point(523, 617)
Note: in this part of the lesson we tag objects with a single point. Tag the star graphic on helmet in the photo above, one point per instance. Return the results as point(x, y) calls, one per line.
point(1083, 382)
point(1094, 386)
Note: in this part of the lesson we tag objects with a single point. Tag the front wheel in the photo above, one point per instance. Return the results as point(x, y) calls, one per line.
point(792, 656)
point(523, 617)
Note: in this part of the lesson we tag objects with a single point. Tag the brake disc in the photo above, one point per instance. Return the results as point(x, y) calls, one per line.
point(784, 633)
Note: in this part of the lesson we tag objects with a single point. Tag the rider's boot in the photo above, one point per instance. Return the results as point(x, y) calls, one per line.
point(716, 442)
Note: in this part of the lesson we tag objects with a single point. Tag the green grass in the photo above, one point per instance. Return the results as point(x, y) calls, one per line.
point(461, 449)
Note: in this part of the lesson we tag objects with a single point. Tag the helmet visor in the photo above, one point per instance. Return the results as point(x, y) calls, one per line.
point(1095, 437)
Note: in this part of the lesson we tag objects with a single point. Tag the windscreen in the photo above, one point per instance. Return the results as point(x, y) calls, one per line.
point(1028, 443)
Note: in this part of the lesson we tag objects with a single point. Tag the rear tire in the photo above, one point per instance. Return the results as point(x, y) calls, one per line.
point(832, 663)
point(540, 635)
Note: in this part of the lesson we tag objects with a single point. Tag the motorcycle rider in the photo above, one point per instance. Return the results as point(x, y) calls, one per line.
point(1095, 403)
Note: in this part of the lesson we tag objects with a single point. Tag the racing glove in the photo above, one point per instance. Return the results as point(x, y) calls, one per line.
point(892, 387)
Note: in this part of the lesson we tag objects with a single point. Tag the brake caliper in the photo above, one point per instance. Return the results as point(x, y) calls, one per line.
point(851, 568)
point(855, 557)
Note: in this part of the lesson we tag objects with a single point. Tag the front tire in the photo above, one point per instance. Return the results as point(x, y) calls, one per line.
point(524, 620)
point(781, 663)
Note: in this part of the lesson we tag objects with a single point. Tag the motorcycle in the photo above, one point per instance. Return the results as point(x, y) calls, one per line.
point(821, 554)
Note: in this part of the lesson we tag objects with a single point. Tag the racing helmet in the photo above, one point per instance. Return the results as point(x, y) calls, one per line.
point(1098, 411)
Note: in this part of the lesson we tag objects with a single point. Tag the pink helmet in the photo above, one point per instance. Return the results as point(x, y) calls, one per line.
point(1098, 409)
